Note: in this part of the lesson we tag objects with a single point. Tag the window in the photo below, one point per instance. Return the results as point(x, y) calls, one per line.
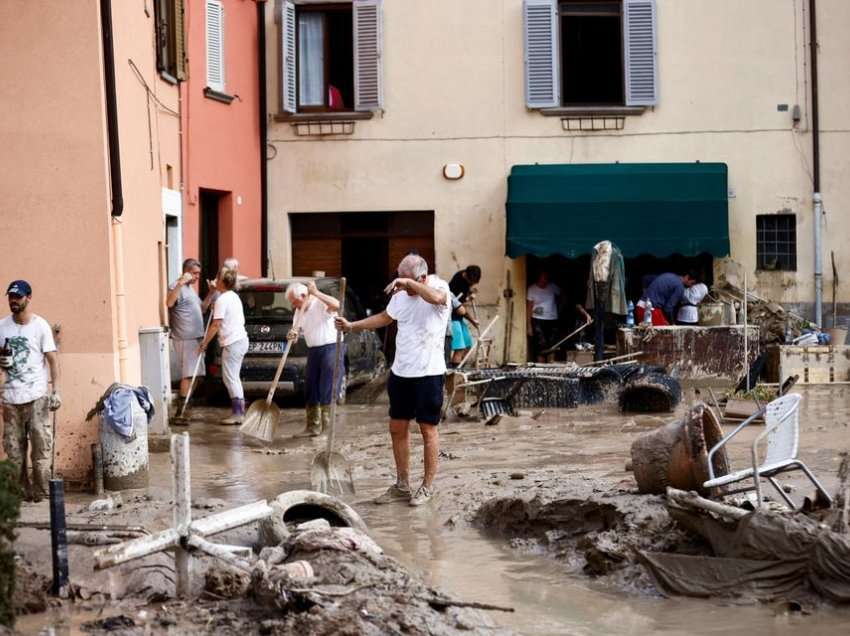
point(776, 242)
point(215, 45)
point(325, 51)
point(590, 53)
point(331, 56)
point(170, 39)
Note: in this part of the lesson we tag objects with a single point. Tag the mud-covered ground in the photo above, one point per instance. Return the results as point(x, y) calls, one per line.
point(536, 513)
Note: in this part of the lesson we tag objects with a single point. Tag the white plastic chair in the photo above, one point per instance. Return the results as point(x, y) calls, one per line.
point(782, 430)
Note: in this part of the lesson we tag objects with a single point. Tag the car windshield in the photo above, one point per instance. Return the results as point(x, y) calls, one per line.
point(265, 304)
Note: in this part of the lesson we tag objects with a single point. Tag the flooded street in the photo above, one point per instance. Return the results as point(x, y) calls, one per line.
point(478, 461)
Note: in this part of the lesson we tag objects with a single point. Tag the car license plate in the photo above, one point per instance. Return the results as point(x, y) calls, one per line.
point(265, 347)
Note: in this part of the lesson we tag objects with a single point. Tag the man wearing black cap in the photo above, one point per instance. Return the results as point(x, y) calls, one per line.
point(26, 350)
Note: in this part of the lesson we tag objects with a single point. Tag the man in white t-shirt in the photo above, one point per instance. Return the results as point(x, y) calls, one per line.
point(421, 306)
point(228, 324)
point(542, 314)
point(26, 351)
point(314, 317)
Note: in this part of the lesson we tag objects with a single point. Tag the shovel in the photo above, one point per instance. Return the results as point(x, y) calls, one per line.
point(262, 416)
point(331, 469)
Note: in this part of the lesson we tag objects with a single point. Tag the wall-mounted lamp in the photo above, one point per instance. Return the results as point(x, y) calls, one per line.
point(453, 171)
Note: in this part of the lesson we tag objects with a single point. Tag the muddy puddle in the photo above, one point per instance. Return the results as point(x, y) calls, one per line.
point(521, 457)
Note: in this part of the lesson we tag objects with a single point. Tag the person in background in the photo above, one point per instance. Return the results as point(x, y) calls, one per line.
point(229, 325)
point(459, 308)
point(689, 307)
point(542, 314)
point(230, 263)
point(665, 292)
point(315, 313)
point(462, 285)
point(27, 350)
point(421, 305)
point(186, 322)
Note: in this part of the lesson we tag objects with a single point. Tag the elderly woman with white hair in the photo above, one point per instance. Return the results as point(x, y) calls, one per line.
point(421, 305)
point(314, 317)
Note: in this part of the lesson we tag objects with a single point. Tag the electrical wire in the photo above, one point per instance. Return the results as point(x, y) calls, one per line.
point(149, 91)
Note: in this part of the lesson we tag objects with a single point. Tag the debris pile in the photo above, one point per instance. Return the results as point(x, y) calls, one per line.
point(771, 318)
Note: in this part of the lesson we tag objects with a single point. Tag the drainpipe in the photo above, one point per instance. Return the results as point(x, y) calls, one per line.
point(115, 182)
point(816, 196)
point(264, 124)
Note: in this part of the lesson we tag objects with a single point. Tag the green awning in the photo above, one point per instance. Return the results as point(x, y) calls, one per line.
point(644, 208)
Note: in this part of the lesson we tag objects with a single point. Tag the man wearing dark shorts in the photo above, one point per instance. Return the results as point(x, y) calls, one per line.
point(421, 306)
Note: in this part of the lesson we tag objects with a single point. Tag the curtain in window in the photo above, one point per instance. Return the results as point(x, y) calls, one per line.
point(311, 59)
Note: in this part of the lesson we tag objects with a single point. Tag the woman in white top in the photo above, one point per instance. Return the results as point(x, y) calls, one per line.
point(688, 309)
point(229, 325)
point(314, 317)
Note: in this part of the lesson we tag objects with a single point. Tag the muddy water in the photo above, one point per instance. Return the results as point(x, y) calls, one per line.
point(452, 555)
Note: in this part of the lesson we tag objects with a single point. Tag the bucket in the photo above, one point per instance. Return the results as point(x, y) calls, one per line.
point(711, 314)
point(125, 462)
point(837, 335)
point(676, 454)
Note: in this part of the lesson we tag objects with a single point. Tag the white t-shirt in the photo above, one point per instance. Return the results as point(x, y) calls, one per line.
point(544, 305)
point(420, 342)
point(228, 309)
point(692, 295)
point(317, 323)
point(26, 380)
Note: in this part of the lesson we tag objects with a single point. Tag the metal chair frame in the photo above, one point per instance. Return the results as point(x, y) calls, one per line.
point(772, 429)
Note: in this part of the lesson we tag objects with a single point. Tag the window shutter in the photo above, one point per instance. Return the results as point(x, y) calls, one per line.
point(368, 52)
point(180, 67)
point(215, 45)
point(288, 58)
point(163, 30)
point(640, 53)
point(540, 39)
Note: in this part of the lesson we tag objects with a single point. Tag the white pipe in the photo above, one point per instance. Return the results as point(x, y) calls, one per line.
point(818, 260)
point(120, 298)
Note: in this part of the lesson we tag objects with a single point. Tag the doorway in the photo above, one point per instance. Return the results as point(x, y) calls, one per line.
point(209, 234)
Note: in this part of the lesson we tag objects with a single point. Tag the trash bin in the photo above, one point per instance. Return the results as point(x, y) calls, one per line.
point(125, 461)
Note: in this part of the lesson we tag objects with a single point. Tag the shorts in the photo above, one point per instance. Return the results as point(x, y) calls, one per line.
point(543, 334)
point(187, 355)
point(419, 399)
point(460, 336)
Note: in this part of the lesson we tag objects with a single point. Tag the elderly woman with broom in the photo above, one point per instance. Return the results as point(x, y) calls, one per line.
point(317, 311)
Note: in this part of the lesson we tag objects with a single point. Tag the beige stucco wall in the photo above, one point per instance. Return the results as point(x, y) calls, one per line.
point(453, 85)
point(55, 224)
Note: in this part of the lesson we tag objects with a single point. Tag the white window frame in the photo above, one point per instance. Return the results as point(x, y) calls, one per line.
point(216, 84)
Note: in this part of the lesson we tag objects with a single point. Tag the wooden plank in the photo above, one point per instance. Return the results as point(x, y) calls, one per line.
point(135, 549)
point(182, 510)
point(229, 519)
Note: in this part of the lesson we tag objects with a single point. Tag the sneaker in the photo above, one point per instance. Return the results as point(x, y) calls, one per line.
point(396, 492)
point(423, 495)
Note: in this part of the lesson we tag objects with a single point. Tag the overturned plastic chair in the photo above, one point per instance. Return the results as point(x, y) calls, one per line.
point(782, 430)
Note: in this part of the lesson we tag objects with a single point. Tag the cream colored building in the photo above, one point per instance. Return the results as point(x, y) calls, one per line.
point(443, 82)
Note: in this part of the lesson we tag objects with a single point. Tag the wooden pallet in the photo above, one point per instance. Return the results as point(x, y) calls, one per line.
point(827, 364)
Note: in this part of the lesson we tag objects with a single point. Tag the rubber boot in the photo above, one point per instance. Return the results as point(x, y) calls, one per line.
point(237, 410)
point(314, 422)
point(326, 418)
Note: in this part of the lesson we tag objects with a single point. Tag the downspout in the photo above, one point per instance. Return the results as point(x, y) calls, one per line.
point(816, 196)
point(264, 125)
point(115, 182)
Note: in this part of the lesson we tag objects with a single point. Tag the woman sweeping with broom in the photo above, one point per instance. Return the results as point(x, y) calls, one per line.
point(318, 311)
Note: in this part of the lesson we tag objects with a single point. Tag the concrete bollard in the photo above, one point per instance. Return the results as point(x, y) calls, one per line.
point(125, 462)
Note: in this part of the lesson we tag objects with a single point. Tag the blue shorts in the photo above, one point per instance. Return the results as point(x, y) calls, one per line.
point(416, 398)
point(460, 335)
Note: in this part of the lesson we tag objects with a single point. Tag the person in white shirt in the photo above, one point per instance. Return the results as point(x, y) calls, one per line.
point(314, 317)
point(229, 325)
point(27, 350)
point(688, 313)
point(421, 306)
point(542, 314)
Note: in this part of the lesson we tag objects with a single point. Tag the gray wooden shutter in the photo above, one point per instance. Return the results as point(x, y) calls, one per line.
point(215, 45)
point(540, 40)
point(640, 52)
point(288, 94)
point(368, 45)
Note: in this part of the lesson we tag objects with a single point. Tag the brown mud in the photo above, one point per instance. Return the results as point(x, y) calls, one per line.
point(536, 514)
